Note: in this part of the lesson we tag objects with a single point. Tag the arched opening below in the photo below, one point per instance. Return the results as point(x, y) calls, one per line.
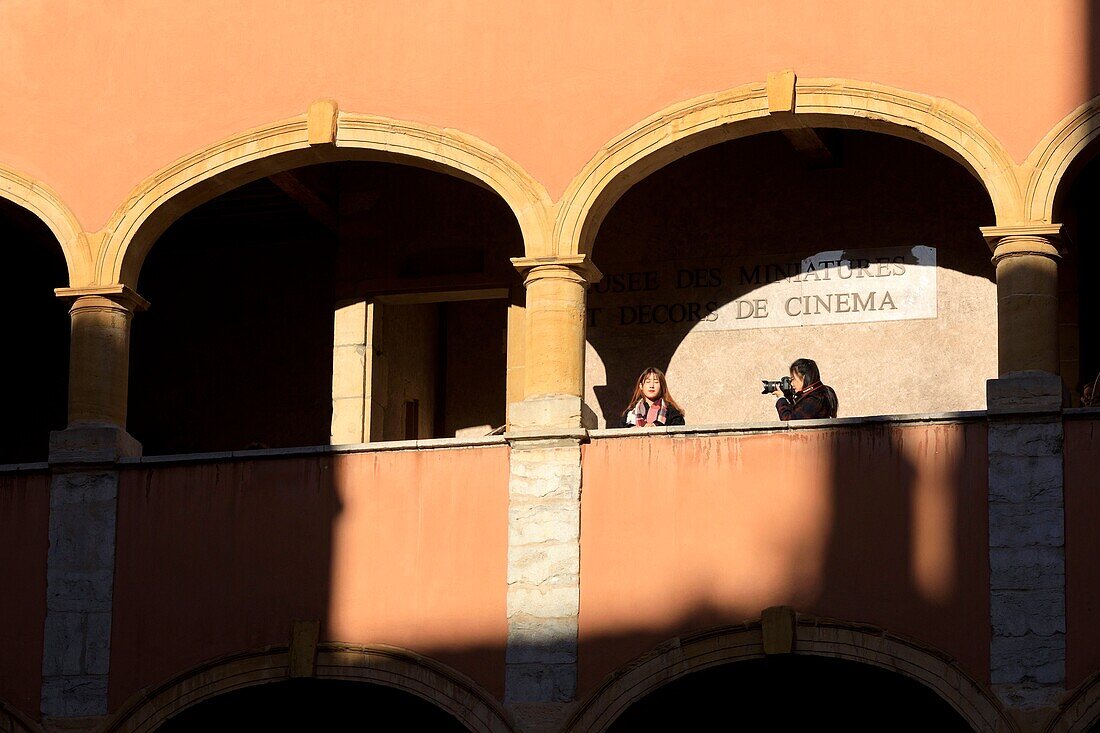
point(859, 250)
point(337, 303)
point(1078, 310)
point(35, 368)
point(316, 705)
point(792, 692)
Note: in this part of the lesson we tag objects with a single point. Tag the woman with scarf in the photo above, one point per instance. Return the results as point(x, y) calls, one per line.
point(811, 400)
point(651, 404)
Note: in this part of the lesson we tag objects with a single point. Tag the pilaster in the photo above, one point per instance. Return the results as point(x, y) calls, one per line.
point(1027, 542)
point(544, 515)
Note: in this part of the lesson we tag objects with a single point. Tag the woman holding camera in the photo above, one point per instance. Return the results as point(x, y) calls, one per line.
point(811, 399)
point(651, 404)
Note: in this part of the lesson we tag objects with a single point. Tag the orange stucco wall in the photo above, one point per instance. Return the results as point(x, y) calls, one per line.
point(397, 548)
point(24, 541)
point(878, 524)
point(98, 97)
point(1082, 511)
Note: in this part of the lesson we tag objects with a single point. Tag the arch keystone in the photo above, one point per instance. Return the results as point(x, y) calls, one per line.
point(322, 119)
point(781, 91)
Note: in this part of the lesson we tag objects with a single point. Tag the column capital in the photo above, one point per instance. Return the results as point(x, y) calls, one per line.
point(569, 267)
point(1044, 240)
point(104, 295)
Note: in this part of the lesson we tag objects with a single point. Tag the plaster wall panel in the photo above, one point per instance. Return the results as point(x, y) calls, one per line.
point(884, 525)
point(546, 84)
point(396, 548)
point(1082, 515)
point(24, 541)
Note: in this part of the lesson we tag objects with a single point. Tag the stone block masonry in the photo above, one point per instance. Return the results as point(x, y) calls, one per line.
point(1026, 543)
point(543, 580)
point(80, 578)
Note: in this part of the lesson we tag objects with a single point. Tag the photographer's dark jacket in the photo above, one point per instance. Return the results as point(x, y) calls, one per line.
point(813, 402)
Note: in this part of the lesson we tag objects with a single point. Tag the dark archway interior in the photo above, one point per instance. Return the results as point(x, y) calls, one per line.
point(237, 348)
point(1076, 207)
point(35, 368)
point(792, 693)
point(759, 199)
point(313, 705)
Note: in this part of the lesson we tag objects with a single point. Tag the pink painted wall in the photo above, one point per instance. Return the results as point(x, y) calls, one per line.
point(98, 97)
point(884, 525)
point(1082, 511)
point(397, 548)
point(24, 542)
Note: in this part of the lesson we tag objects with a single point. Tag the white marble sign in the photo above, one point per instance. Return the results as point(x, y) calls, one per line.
point(829, 287)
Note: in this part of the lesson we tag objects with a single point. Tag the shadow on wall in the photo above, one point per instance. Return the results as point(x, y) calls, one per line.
point(877, 524)
point(712, 228)
point(310, 704)
point(401, 689)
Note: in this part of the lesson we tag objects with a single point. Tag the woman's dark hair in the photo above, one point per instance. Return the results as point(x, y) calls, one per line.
point(807, 369)
point(637, 394)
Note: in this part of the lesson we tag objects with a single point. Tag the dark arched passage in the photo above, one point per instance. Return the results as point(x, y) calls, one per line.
point(34, 370)
point(1078, 311)
point(238, 348)
point(792, 693)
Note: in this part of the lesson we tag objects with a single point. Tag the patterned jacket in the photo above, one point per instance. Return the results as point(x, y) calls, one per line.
point(810, 404)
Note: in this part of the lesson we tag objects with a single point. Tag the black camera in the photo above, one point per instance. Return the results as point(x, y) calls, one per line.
point(783, 385)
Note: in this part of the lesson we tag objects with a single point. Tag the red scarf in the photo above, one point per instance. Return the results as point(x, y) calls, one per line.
point(657, 411)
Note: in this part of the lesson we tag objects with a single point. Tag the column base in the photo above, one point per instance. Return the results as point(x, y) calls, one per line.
point(1024, 392)
point(540, 717)
point(551, 412)
point(91, 444)
point(54, 724)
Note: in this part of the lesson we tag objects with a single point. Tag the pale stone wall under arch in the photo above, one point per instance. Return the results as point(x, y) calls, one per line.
point(815, 637)
point(381, 665)
point(40, 200)
point(1047, 164)
point(698, 123)
point(322, 135)
point(1080, 712)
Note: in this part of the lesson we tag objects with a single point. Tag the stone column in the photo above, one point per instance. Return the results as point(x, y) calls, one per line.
point(544, 524)
point(83, 503)
point(546, 430)
point(99, 355)
point(555, 340)
point(1026, 517)
point(1026, 258)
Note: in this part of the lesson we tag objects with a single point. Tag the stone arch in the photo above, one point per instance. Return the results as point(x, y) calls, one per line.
point(39, 199)
point(381, 665)
point(815, 637)
point(1080, 712)
point(1051, 158)
point(322, 135)
point(690, 126)
point(12, 721)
